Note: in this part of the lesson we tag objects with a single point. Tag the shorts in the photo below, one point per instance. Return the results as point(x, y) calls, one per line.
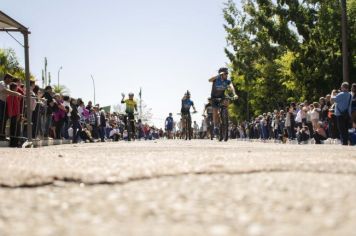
point(215, 102)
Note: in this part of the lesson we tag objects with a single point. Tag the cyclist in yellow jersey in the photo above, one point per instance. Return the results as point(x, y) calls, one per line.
point(131, 107)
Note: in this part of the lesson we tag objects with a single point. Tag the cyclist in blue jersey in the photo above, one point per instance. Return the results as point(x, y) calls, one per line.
point(187, 104)
point(186, 118)
point(169, 126)
point(221, 83)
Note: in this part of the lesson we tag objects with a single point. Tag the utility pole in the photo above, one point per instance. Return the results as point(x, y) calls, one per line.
point(140, 95)
point(45, 72)
point(345, 48)
point(60, 68)
point(43, 79)
point(92, 78)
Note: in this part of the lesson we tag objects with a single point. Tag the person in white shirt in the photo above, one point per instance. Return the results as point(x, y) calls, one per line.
point(315, 114)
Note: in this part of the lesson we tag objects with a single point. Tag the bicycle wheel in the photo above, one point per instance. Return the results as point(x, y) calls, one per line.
point(224, 125)
point(187, 131)
point(128, 127)
point(211, 129)
point(189, 128)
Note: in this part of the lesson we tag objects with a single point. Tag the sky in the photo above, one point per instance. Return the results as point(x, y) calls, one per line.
point(165, 47)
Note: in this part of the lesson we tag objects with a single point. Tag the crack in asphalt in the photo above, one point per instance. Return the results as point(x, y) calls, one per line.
point(52, 181)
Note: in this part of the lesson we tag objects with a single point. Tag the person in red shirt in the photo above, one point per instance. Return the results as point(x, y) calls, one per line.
point(13, 112)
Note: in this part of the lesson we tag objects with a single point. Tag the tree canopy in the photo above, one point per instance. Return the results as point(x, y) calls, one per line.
point(286, 50)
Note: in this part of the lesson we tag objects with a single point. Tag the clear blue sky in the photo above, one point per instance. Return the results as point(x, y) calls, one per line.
point(163, 46)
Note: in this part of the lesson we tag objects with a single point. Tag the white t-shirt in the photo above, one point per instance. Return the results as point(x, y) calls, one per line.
point(314, 114)
point(67, 104)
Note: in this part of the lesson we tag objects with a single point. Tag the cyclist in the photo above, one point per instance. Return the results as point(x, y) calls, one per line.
point(169, 126)
point(131, 107)
point(208, 114)
point(220, 85)
point(185, 110)
point(186, 104)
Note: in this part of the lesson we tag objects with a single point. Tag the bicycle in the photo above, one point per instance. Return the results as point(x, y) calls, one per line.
point(130, 124)
point(210, 125)
point(187, 125)
point(224, 117)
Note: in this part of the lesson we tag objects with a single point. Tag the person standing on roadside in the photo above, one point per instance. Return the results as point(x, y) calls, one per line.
point(343, 111)
point(102, 124)
point(4, 92)
point(353, 103)
point(48, 95)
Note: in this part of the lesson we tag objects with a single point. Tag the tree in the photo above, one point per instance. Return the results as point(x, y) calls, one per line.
point(9, 62)
point(61, 89)
point(283, 50)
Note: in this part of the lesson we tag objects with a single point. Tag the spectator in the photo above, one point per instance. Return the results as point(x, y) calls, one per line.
point(102, 125)
point(48, 96)
point(67, 118)
point(36, 114)
point(195, 130)
point(303, 134)
point(4, 92)
point(59, 113)
point(353, 104)
point(77, 128)
point(343, 111)
point(319, 133)
point(14, 112)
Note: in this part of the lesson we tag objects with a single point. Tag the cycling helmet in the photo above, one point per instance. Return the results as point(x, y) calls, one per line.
point(131, 94)
point(223, 70)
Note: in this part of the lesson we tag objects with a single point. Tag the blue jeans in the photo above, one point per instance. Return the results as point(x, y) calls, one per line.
point(102, 133)
point(48, 124)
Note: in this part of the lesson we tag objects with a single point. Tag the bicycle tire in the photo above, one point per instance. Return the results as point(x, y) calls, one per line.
point(224, 127)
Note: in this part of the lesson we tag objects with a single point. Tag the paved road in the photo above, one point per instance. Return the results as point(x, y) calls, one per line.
point(178, 188)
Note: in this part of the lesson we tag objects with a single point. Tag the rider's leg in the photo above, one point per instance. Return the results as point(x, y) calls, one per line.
point(216, 120)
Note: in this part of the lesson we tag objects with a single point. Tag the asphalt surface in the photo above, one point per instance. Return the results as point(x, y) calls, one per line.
point(200, 187)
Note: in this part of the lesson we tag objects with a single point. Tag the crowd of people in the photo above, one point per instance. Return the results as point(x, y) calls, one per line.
point(57, 116)
point(332, 118)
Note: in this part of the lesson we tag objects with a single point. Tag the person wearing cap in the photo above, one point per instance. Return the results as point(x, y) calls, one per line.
point(131, 107)
point(220, 84)
point(4, 92)
point(185, 110)
point(187, 104)
point(343, 101)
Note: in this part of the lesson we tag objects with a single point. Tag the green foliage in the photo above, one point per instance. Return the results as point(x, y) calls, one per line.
point(9, 64)
point(285, 50)
point(61, 89)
